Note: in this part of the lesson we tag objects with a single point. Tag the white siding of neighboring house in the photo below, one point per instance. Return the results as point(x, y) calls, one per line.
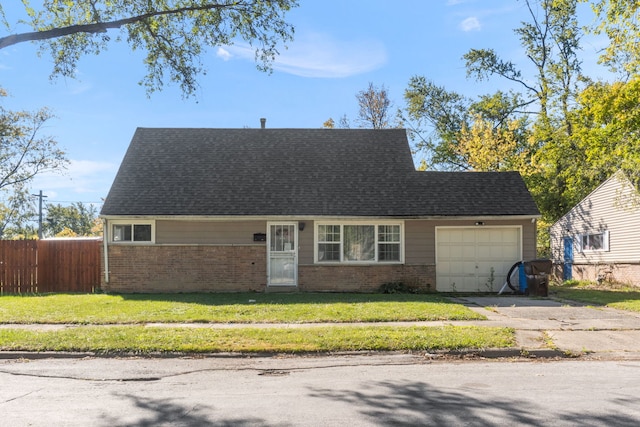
point(613, 207)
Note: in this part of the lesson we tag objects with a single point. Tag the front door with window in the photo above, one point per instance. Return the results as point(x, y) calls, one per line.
point(283, 254)
point(568, 258)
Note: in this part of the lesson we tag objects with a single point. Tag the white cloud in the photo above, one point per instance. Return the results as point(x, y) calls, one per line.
point(321, 56)
point(455, 2)
point(81, 179)
point(223, 53)
point(470, 24)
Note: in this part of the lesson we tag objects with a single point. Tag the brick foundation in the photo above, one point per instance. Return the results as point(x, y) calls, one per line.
point(204, 268)
point(615, 273)
point(165, 268)
point(339, 278)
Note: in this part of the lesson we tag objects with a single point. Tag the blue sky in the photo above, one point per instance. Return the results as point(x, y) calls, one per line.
point(340, 46)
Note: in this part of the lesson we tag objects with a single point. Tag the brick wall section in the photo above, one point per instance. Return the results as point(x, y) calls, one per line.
point(166, 268)
point(617, 273)
point(360, 278)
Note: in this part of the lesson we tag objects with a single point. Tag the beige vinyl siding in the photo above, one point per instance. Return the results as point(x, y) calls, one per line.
point(612, 207)
point(420, 237)
point(420, 242)
point(305, 243)
point(227, 233)
point(208, 232)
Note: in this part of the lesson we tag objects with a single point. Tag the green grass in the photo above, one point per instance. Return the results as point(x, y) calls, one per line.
point(145, 340)
point(101, 309)
point(620, 297)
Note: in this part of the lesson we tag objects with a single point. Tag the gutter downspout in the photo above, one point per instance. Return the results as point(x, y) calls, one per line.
point(105, 238)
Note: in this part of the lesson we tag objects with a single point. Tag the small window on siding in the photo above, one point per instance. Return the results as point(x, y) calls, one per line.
point(594, 242)
point(123, 233)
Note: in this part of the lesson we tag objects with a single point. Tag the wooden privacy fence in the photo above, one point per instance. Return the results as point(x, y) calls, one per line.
point(40, 266)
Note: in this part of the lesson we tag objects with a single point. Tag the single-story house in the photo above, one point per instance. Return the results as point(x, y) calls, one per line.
point(599, 238)
point(222, 210)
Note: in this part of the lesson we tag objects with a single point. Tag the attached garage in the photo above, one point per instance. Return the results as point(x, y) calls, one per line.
point(475, 259)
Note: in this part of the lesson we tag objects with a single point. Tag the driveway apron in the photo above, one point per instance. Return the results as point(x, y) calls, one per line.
point(570, 327)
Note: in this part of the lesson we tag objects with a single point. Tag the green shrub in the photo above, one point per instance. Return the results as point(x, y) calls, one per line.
point(398, 288)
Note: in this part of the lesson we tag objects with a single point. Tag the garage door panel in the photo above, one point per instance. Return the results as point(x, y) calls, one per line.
point(467, 256)
point(491, 253)
point(461, 283)
point(455, 236)
point(468, 252)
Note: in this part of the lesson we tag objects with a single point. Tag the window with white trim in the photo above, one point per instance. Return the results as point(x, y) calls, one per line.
point(595, 241)
point(131, 232)
point(354, 243)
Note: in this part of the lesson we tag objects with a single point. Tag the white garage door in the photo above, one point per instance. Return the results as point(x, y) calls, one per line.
point(475, 259)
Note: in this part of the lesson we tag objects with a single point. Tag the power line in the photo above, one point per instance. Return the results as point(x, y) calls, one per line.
point(75, 201)
point(40, 196)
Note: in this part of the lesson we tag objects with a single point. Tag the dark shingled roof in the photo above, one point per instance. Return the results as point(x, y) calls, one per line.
point(302, 172)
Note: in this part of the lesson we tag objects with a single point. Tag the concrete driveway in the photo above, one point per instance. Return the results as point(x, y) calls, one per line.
point(570, 328)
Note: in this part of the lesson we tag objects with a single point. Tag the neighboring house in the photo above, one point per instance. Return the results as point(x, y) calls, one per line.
point(599, 239)
point(221, 210)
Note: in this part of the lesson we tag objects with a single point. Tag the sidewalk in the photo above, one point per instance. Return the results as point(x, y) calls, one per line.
point(544, 328)
point(572, 329)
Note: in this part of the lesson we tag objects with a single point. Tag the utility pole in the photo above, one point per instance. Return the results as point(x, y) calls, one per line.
point(40, 197)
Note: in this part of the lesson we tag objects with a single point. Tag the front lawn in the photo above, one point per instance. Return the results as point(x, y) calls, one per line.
point(145, 340)
point(114, 324)
point(101, 309)
point(620, 297)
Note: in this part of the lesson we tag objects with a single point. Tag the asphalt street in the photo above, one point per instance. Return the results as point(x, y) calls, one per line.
point(354, 390)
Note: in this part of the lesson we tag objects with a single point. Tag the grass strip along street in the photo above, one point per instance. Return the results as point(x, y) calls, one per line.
point(146, 340)
point(113, 324)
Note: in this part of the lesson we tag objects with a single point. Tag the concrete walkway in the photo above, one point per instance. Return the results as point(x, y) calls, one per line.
point(571, 329)
point(544, 328)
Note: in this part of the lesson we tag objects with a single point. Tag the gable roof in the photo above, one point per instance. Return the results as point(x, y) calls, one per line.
point(618, 191)
point(302, 172)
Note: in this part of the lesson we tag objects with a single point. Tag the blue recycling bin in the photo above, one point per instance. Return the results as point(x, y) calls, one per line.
point(522, 279)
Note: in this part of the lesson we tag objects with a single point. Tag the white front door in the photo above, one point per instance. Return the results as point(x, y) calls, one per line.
point(282, 254)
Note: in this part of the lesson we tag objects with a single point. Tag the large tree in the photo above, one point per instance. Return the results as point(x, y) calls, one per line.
point(374, 107)
point(620, 21)
point(529, 128)
point(374, 111)
point(24, 154)
point(17, 212)
point(77, 219)
point(607, 130)
point(435, 117)
point(551, 42)
point(173, 33)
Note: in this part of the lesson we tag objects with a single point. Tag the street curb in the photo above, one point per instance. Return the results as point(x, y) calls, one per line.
point(506, 353)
